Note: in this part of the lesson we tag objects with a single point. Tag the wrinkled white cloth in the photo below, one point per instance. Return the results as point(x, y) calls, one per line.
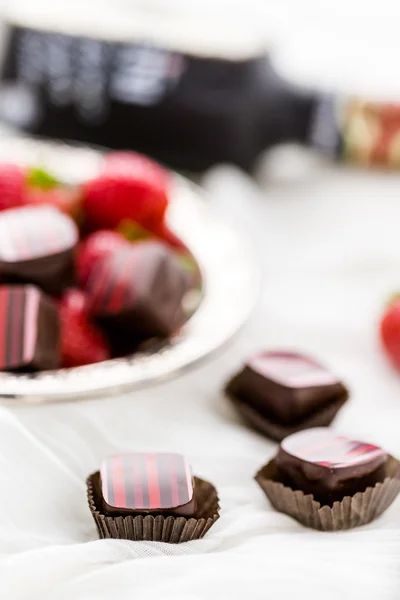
point(329, 246)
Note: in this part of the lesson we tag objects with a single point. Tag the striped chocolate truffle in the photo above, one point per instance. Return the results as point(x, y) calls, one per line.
point(286, 387)
point(328, 465)
point(138, 290)
point(29, 329)
point(147, 482)
point(36, 246)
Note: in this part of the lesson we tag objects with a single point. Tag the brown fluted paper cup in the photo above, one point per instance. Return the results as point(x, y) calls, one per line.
point(360, 509)
point(160, 528)
point(278, 432)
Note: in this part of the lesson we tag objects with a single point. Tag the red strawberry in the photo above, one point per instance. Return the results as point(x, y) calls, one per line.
point(12, 186)
point(67, 200)
point(43, 188)
point(390, 331)
point(82, 343)
point(95, 247)
point(131, 187)
point(134, 232)
point(126, 161)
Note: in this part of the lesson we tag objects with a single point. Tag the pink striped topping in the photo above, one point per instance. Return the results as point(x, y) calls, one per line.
point(33, 232)
point(189, 481)
point(19, 307)
point(174, 482)
point(291, 369)
point(322, 446)
point(120, 279)
point(146, 481)
point(3, 329)
point(153, 481)
point(17, 328)
point(137, 482)
point(31, 323)
point(113, 283)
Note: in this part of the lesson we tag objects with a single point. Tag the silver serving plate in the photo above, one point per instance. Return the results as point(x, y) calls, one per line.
point(230, 282)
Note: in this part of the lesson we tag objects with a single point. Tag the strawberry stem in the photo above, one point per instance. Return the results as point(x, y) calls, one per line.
point(41, 179)
point(132, 231)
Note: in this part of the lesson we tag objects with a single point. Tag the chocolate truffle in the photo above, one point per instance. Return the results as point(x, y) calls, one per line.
point(36, 246)
point(29, 329)
point(329, 466)
point(147, 483)
point(281, 392)
point(151, 496)
point(138, 292)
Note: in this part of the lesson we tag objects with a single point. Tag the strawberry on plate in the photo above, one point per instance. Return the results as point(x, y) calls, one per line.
point(21, 186)
point(130, 187)
point(12, 186)
point(95, 247)
point(134, 232)
point(67, 200)
point(43, 188)
point(82, 343)
point(126, 161)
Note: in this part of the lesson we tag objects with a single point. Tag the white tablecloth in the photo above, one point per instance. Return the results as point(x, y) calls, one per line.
point(329, 245)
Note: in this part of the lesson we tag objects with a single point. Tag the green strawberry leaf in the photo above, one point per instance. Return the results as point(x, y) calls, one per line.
point(39, 178)
point(132, 231)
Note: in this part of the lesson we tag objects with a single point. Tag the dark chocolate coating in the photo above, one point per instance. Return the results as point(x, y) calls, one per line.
point(29, 330)
point(286, 397)
point(137, 293)
point(37, 246)
point(319, 462)
point(52, 274)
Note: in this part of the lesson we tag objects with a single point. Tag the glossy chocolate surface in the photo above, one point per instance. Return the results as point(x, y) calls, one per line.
point(320, 462)
point(36, 246)
point(29, 329)
point(138, 292)
point(155, 483)
point(286, 387)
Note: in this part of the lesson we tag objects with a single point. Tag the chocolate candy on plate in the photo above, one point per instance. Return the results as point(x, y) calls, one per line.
point(151, 496)
point(329, 481)
point(138, 291)
point(280, 392)
point(29, 329)
point(36, 246)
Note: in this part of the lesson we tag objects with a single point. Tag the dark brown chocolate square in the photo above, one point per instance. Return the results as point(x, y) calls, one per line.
point(29, 329)
point(281, 392)
point(36, 246)
point(138, 292)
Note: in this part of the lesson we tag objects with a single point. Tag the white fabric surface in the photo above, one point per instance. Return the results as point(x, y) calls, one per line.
point(328, 242)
